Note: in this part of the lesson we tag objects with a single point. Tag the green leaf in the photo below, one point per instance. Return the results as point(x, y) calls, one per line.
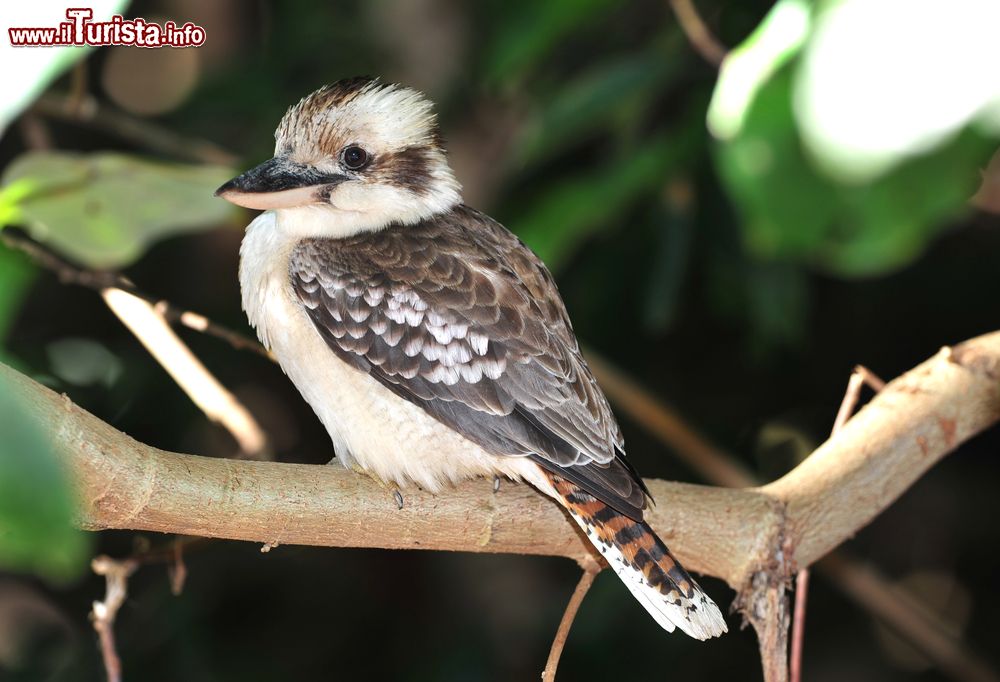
point(16, 276)
point(83, 362)
point(36, 504)
point(785, 206)
point(37, 67)
point(879, 83)
point(104, 210)
point(673, 222)
point(749, 66)
point(525, 35)
point(795, 213)
point(598, 98)
point(576, 208)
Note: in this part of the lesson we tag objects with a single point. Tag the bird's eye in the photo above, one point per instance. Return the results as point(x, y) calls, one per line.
point(355, 157)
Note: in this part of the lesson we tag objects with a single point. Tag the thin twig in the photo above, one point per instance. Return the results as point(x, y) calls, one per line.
point(697, 32)
point(78, 95)
point(872, 380)
point(859, 377)
point(147, 319)
point(590, 572)
point(103, 613)
point(199, 323)
point(668, 426)
point(168, 552)
point(799, 625)
point(67, 273)
point(117, 573)
point(86, 110)
point(204, 390)
point(849, 402)
point(177, 571)
point(35, 133)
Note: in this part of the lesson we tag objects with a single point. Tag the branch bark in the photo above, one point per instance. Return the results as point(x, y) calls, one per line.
point(870, 591)
point(733, 534)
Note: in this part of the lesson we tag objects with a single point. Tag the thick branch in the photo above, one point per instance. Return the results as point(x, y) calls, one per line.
point(912, 423)
point(731, 534)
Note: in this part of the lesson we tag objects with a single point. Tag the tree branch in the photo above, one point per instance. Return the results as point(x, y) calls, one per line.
point(877, 455)
point(894, 606)
point(731, 534)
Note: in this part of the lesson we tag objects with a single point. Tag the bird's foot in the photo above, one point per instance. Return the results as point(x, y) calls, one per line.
point(371, 475)
point(385, 485)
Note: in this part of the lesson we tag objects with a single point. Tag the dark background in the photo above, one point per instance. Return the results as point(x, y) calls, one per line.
point(753, 352)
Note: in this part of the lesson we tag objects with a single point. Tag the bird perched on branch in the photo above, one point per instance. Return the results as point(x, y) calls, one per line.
point(430, 341)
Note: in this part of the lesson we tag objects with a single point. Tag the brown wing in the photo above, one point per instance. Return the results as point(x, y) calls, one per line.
point(456, 315)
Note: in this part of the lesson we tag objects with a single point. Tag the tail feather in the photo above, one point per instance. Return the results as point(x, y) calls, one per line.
point(644, 564)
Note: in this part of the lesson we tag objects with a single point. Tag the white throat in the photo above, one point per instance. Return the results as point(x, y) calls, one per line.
point(354, 209)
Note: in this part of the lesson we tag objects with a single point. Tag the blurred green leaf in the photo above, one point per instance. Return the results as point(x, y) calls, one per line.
point(598, 97)
point(573, 209)
point(882, 81)
point(778, 302)
point(36, 506)
point(38, 67)
point(16, 275)
point(673, 220)
point(104, 210)
point(750, 65)
point(83, 362)
point(785, 205)
point(526, 35)
point(794, 213)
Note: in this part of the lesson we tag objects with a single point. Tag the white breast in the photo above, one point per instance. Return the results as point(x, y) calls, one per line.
point(371, 427)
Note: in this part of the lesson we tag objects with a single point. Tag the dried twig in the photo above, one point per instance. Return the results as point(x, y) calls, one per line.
point(177, 571)
point(859, 377)
point(697, 32)
point(590, 571)
point(98, 280)
point(799, 625)
point(148, 321)
point(200, 323)
point(187, 371)
point(103, 612)
point(117, 573)
point(655, 416)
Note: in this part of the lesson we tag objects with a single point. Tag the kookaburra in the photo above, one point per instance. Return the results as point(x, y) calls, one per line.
point(430, 341)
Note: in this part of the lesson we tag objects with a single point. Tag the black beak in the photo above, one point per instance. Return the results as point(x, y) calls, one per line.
point(277, 183)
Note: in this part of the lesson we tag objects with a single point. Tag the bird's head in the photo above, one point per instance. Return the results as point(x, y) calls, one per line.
point(369, 151)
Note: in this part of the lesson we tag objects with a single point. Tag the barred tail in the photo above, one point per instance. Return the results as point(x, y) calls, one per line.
point(644, 564)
